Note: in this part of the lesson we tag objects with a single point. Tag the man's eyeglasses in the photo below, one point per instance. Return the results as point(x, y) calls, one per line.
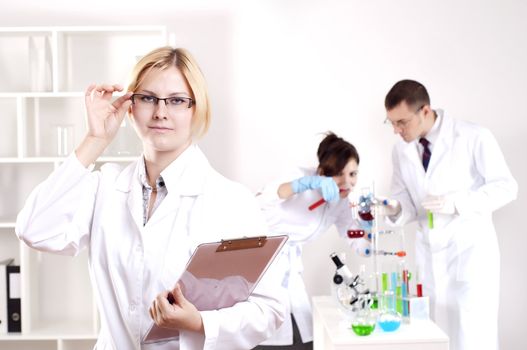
point(403, 123)
point(148, 103)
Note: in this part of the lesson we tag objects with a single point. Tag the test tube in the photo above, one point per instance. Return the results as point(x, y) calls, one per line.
point(393, 282)
point(418, 284)
point(384, 281)
point(404, 293)
point(430, 219)
point(398, 296)
point(321, 201)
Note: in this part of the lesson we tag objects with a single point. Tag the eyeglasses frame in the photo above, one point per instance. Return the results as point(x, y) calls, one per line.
point(190, 100)
point(403, 123)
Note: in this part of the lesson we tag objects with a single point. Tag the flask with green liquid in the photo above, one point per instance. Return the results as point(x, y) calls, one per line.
point(364, 321)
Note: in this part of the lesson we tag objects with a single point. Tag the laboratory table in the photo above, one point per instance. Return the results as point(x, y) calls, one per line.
point(332, 331)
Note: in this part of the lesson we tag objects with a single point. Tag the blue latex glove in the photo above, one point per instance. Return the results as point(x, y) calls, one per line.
point(328, 187)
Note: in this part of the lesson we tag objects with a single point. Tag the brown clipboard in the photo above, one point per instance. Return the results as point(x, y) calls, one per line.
point(221, 274)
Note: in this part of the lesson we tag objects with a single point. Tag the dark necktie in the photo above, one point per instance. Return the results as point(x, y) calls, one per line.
point(426, 152)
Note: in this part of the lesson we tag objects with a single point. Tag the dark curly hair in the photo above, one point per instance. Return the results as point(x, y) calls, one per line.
point(334, 153)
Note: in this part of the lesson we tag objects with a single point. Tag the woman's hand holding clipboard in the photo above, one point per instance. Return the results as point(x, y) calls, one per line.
point(218, 275)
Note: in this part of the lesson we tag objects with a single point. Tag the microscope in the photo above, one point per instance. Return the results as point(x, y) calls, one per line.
point(349, 290)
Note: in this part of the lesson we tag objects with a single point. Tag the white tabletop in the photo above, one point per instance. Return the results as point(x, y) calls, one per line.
point(332, 330)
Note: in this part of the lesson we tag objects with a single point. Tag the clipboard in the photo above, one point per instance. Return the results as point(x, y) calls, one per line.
point(221, 274)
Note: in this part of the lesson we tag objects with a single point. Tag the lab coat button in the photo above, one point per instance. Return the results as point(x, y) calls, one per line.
point(132, 307)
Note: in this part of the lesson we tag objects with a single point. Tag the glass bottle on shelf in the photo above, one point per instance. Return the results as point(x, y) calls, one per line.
point(39, 49)
point(65, 139)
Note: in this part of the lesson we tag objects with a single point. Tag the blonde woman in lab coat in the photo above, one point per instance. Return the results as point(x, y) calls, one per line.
point(140, 223)
point(461, 181)
point(285, 204)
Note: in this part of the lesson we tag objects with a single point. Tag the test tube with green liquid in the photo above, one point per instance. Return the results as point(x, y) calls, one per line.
point(399, 299)
point(430, 219)
point(384, 284)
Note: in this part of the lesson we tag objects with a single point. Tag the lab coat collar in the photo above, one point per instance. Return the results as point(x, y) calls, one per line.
point(125, 179)
point(410, 152)
point(433, 133)
point(446, 133)
point(442, 144)
point(184, 176)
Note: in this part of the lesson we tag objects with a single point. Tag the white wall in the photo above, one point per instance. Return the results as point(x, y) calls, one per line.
point(281, 72)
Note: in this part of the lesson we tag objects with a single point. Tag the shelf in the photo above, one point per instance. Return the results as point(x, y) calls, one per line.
point(55, 300)
point(26, 60)
point(52, 125)
point(79, 67)
point(50, 334)
point(10, 245)
point(46, 29)
point(16, 182)
point(52, 160)
point(48, 341)
point(9, 129)
point(30, 94)
point(62, 59)
point(22, 344)
point(45, 71)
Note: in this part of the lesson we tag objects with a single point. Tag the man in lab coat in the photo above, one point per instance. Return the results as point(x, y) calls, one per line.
point(450, 176)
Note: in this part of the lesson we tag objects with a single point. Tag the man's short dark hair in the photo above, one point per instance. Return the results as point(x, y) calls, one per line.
point(409, 91)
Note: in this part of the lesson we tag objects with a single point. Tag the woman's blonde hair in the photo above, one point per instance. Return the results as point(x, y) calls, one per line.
point(165, 57)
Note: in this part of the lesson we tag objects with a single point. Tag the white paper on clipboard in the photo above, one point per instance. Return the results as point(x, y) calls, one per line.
point(221, 274)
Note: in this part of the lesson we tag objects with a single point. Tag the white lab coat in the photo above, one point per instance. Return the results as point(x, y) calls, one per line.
point(459, 257)
point(292, 217)
point(131, 263)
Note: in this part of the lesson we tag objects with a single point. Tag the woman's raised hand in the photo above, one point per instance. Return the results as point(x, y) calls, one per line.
point(104, 119)
point(105, 116)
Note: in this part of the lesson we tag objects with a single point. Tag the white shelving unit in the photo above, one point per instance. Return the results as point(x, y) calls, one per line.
point(44, 72)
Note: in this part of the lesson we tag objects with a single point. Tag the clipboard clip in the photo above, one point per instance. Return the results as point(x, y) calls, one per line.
point(227, 245)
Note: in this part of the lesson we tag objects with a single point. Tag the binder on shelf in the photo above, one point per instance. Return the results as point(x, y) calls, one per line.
point(221, 274)
point(4, 295)
point(14, 322)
